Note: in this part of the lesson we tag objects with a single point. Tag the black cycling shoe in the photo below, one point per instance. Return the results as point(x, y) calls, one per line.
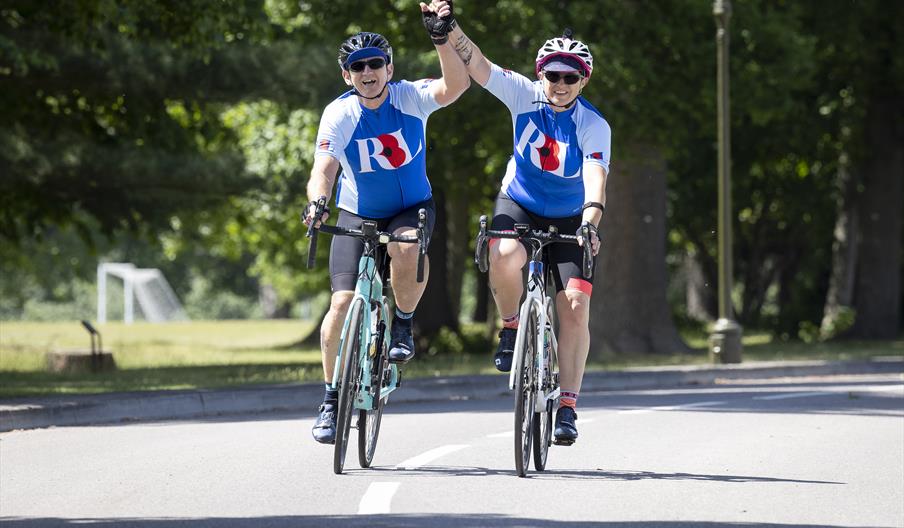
point(506, 349)
point(401, 344)
point(566, 432)
point(324, 429)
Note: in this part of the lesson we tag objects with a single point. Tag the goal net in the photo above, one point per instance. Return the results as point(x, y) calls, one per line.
point(157, 302)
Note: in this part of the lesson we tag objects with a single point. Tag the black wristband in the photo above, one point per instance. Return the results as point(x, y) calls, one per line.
point(589, 205)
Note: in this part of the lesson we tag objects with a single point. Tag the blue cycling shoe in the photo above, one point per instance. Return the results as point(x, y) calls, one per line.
point(324, 429)
point(505, 352)
point(401, 344)
point(566, 431)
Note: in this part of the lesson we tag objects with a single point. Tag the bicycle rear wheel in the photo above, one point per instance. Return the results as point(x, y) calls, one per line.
point(525, 393)
point(369, 419)
point(348, 382)
point(543, 421)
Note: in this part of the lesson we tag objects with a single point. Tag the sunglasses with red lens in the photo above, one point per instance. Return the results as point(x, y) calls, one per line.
point(375, 64)
point(569, 78)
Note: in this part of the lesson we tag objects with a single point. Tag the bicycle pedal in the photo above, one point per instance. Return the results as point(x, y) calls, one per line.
point(563, 441)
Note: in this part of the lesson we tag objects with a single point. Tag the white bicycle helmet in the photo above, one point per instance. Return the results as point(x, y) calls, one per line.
point(566, 48)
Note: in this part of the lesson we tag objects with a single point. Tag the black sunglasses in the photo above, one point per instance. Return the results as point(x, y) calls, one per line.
point(375, 64)
point(569, 78)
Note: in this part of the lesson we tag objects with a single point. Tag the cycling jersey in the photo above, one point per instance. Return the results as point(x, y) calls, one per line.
point(382, 151)
point(545, 173)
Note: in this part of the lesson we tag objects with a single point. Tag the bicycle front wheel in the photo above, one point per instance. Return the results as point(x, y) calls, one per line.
point(348, 382)
point(543, 421)
point(369, 419)
point(525, 393)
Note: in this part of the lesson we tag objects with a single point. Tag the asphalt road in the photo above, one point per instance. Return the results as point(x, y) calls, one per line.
point(791, 452)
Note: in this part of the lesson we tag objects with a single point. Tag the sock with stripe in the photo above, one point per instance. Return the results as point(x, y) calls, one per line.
point(330, 396)
point(510, 321)
point(568, 399)
point(402, 318)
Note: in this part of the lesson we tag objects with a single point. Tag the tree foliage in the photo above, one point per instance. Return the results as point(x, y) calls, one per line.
point(194, 123)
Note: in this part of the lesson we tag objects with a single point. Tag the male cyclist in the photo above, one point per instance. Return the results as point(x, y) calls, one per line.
point(556, 177)
point(374, 137)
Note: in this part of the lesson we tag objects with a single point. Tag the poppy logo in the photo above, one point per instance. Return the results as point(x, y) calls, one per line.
point(390, 151)
point(546, 153)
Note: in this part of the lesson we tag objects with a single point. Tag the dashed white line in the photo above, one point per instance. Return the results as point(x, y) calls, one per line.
point(788, 395)
point(377, 498)
point(672, 407)
point(429, 456)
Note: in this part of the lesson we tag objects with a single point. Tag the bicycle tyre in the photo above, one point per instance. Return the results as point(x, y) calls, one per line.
point(348, 384)
point(543, 421)
point(369, 420)
point(525, 394)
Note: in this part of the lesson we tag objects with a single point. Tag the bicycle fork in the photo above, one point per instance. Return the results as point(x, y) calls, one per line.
point(546, 343)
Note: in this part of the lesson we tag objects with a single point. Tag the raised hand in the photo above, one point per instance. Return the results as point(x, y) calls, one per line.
point(439, 20)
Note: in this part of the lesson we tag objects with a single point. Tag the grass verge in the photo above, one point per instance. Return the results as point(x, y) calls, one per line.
point(229, 353)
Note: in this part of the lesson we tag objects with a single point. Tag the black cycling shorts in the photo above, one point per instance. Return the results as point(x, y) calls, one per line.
point(345, 252)
point(566, 260)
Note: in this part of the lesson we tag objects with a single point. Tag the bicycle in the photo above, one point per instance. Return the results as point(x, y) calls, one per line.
point(534, 376)
point(363, 375)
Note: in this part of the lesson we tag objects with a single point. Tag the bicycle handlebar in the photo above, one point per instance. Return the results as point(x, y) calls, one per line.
point(537, 238)
point(369, 232)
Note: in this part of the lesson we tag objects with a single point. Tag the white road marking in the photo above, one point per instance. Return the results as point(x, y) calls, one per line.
point(429, 456)
point(788, 395)
point(377, 498)
point(883, 388)
point(672, 407)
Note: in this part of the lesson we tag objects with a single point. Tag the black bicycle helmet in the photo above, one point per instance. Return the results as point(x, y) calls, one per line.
point(363, 41)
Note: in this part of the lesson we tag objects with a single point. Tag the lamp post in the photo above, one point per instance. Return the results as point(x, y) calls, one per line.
point(725, 335)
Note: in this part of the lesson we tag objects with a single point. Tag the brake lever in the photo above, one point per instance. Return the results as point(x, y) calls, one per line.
point(312, 231)
point(421, 243)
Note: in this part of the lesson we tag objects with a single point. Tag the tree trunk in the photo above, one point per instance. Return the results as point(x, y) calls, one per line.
point(840, 296)
point(877, 298)
point(702, 305)
point(629, 312)
point(436, 307)
point(458, 242)
point(481, 308)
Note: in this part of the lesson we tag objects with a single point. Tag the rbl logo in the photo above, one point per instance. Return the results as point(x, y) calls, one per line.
point(546, 153)
point(390, 151)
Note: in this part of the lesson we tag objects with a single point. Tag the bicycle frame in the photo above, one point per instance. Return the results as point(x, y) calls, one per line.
point(369, 291)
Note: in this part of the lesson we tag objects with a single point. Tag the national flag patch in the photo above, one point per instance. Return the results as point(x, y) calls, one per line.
point(324, 144)
point(595, 155)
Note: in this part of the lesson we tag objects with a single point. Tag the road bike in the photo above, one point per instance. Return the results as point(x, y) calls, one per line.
point(363, 375)
point(534, 376)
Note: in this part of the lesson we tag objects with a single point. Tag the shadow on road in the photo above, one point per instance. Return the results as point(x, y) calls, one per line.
point(382, 520)
point(598, 474)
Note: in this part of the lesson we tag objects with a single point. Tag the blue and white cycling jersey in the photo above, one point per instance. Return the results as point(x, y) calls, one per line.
point(545, 173)
point(382, 151)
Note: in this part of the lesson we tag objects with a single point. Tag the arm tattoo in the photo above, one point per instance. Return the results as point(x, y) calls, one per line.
point(464, 50)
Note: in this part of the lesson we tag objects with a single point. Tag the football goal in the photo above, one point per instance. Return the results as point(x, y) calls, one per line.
point(157, 301)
